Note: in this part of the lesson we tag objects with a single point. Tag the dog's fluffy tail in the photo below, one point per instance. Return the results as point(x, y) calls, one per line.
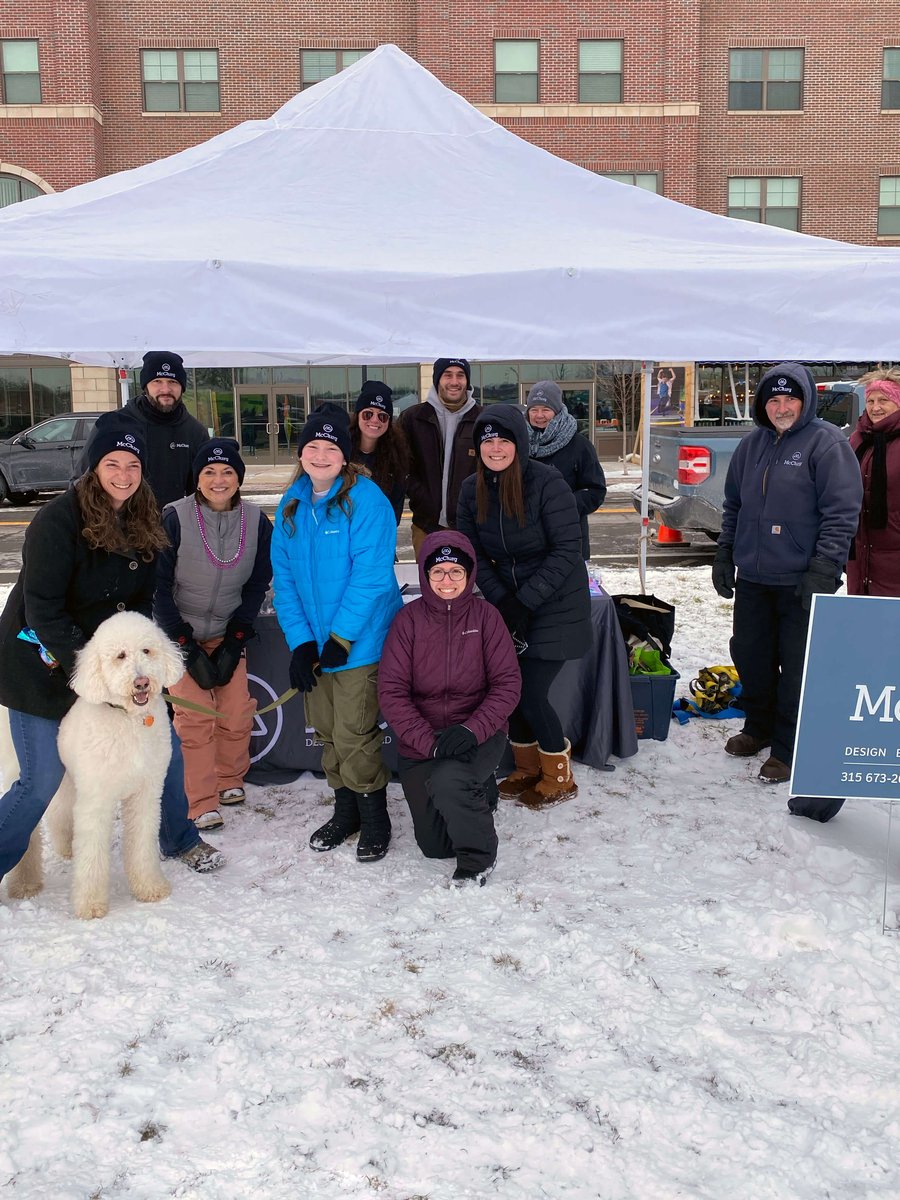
point(9, 762)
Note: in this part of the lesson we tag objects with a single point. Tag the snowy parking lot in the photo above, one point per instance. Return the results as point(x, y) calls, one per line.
point(668, 988)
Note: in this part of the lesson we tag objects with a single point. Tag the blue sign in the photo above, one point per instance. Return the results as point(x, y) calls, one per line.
point(848, 735)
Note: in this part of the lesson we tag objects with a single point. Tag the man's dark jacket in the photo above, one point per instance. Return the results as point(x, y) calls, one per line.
point(790, 498)
point(173, 440)
point(426, 463)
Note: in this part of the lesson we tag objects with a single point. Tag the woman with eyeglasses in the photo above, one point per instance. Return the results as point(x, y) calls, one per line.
point(378, 443)
point(522, 519)
point(447, 682)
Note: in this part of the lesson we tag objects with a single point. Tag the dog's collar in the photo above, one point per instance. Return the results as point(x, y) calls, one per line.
point(148, 720)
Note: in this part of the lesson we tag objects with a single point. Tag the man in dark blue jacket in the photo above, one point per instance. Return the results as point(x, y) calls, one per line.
point(792, 500)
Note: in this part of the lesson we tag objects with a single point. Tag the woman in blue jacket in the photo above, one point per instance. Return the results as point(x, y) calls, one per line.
point(335, 596)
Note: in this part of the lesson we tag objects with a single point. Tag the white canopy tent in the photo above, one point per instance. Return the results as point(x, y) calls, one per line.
point(378, 217)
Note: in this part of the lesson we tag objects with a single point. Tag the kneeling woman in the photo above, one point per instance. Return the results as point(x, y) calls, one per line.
point(521, 517)
point(210, 583)
point(335, 596)
point(88, 554)
point(448, 681)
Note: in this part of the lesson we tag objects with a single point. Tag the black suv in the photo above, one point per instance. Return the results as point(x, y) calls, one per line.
point(43, 458)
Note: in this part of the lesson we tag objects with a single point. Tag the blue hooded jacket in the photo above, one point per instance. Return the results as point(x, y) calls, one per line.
point(792, 497)
point(334, 573)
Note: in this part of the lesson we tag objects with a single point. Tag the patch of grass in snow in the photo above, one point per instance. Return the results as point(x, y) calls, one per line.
point(151, 1132)
point(414, 968)
point(507, 962)
point(454, 1053)
point(265, 811)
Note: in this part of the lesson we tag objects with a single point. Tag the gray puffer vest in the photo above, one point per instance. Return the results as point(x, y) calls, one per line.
point(207, 595)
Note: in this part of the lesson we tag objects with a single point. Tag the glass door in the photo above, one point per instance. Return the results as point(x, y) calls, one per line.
point(289, 419)
point(270, 421)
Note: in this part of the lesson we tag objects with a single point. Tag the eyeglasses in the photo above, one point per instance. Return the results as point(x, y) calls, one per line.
point(370, 414)
point(454, 573)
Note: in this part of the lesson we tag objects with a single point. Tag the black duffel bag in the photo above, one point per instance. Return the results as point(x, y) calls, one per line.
point(646, 619)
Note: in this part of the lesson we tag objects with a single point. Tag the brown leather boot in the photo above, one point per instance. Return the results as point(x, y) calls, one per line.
point(527, 772)
point(556, 783)
point(745, 745)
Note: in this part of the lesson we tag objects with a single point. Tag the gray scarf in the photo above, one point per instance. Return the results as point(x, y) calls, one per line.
point(558, 433)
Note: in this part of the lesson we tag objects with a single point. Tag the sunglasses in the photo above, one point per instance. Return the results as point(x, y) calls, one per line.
point(370, 414)
point(454, 573)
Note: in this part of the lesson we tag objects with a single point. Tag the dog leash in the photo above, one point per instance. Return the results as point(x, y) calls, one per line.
point(211, 712)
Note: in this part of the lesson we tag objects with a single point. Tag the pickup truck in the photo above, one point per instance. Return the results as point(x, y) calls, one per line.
point(688, 465)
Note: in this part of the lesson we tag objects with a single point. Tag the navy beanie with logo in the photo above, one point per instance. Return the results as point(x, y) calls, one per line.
point(163, 364)
point(108, 441)
point(448, 554)
point(377, 395)
point(779, 385)
point(219, 450)
point(442, 364)
point(329, 428)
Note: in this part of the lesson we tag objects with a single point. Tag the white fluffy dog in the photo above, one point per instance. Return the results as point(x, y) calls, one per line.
point(115, 745)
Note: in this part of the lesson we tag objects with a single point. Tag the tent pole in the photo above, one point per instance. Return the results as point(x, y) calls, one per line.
point(647, 368)
point(123, 386)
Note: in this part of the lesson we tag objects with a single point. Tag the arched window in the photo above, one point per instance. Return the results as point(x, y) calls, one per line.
point(13, 189)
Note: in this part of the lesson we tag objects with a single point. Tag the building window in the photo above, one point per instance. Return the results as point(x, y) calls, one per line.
point(21, 79)
point(599, 72)
point(890, 83)
point(769, 201)
point(516, 72)
point(180, 80)
point(316, 65)
point(765, 79)
point(889, 206)
point(13, 189)
point(648, 180)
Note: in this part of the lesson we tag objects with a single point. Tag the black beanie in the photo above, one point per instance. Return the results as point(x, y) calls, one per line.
point(375, 394)
point(107, 441)
point(328, 428)
point(495, 425)
point(219, 450)
point(448, 554)
point(779, 385)
point(443, 363)
point(163, 364)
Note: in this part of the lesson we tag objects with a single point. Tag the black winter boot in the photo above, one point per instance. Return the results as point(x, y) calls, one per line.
point(817, 808)
point(375, 835)
point(342, 825)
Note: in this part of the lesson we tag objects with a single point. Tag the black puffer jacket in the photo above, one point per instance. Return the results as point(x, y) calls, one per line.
point(540, 562)
point(173, 440)
point(579, 466)
point(64, 591)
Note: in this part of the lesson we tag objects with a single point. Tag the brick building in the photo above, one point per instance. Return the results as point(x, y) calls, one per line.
point(763, 109)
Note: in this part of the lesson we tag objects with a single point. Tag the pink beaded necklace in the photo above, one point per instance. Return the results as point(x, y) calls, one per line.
point(222, 563)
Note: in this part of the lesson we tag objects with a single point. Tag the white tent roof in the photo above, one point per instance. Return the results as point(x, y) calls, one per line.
point(378, 217)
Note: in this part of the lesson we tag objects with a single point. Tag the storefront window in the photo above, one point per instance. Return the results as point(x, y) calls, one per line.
point(29, 395)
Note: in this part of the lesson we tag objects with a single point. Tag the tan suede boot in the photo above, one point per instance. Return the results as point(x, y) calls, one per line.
point(556, 783)
point(527, 772)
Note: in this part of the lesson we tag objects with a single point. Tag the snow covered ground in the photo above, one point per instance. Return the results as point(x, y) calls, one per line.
point(669, 988)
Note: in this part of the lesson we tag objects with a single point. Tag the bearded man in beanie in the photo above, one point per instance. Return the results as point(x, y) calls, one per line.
point(792, 500)
point(172, 436)
point(441, 450)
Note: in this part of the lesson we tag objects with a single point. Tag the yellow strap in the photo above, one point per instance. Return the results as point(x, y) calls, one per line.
point(191, 704)
point(282, 699)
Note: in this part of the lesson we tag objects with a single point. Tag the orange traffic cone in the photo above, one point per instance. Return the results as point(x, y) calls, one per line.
point(666, 536)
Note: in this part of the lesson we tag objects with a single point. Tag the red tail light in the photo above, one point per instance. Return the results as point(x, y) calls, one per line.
point(694, 464)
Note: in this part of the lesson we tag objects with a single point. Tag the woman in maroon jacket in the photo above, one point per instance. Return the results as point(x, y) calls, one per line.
point(874, 567)
point(447, 681)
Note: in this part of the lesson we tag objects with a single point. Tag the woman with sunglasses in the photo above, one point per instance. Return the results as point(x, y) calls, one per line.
point(378, 444)
point(447, 682)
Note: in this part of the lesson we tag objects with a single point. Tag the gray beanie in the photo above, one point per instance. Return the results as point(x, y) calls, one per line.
point(548, 394)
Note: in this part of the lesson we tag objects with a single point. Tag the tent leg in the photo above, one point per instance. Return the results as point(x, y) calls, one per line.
point(887, 867)
point(645, 474)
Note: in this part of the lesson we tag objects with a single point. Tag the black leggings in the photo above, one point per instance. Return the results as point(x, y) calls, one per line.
point(534, 720)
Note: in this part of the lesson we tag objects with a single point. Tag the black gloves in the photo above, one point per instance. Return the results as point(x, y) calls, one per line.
point(301, 672)
point(456, 742)
point(227, 654)
point(333, 654)
point(723, 572)
point(516, 616)
point(198, 665)
point(820, 576)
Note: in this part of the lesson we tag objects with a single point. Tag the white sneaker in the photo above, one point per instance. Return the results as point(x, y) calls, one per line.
point(233, 795)
point(210, 820)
